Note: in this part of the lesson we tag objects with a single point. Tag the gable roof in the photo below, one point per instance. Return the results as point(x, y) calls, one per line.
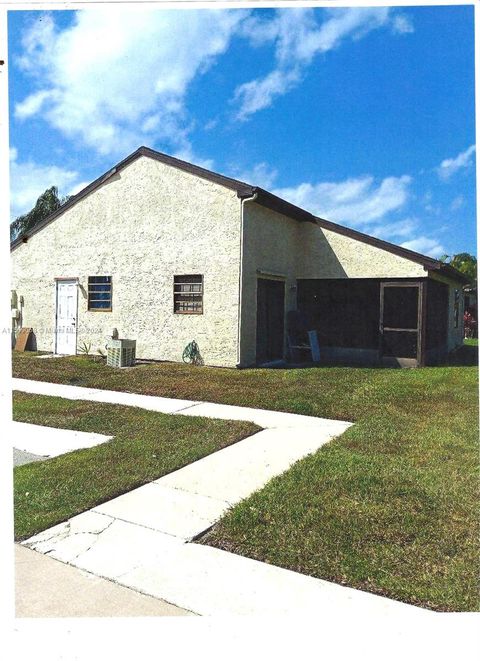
point(244, 190)
point(239, 186)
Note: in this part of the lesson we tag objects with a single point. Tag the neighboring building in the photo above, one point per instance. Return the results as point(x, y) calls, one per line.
point(470, 318)
point(470, 298)
point(168, 252)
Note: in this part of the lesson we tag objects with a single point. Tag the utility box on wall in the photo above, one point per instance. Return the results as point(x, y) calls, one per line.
point(121, 353)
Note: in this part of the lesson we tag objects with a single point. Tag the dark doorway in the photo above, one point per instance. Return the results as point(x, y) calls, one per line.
point(270, 319)
point(400, 323)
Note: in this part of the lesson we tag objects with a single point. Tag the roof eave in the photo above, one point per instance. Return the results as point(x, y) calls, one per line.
point(275, 203)
point(450, 272)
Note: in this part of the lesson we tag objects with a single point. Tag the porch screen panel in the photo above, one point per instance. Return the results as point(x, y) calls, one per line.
point(400, 307)
point(344, 312)
point(400, 343)
point(400, 321)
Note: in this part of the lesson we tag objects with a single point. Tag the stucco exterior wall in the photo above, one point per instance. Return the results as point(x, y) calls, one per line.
point(331, 255)
point(455, 333)
point(144, 225)
point(270, 248)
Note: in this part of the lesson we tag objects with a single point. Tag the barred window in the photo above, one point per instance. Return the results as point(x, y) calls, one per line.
point(188, 294)
point(100, 292)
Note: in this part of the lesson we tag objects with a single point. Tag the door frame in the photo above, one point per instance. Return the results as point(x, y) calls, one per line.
point(55, 335)
point(419, 360)
point(275, 278)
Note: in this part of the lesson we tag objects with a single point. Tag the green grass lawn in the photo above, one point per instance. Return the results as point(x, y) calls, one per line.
point(389, 507)
point(146, 445)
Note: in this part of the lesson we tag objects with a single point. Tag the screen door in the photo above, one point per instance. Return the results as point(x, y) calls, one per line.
point(400, 322)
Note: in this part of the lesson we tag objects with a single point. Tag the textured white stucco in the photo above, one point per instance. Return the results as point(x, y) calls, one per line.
point(331, 255)
point(454, 334)
point(144, 225)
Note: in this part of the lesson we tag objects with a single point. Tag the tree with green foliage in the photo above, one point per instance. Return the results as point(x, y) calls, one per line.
point(47, 203)
point(465, 263)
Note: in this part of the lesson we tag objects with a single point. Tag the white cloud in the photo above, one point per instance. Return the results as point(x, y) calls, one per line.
point(118, 79)
point(398, 229)
point(259, 94)
point(36, 42)
point(261, 175)
point(29, 180)
point(367, 205)
point(450, 166)
point(211, 124)
point(355, 202)
point(401, 24)
point(32, 104)
point(425, 246)
point(298, 38)
point(78, 187)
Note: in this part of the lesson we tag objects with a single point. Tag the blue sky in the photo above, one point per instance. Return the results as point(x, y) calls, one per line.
point(363, 116)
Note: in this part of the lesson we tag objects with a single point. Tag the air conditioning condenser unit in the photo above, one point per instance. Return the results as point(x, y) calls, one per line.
point(121, 353)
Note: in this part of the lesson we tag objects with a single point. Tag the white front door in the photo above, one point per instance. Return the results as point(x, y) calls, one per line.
point(66, 318)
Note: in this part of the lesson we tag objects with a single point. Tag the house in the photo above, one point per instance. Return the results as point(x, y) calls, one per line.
point(168, 252)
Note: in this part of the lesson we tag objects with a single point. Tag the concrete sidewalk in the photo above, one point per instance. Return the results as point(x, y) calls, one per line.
point(47, 588)
point(189, 501)
point(262, 417)
point(51, 441)
point(143, 539)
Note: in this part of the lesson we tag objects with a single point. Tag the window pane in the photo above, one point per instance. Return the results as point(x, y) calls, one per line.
point(95, 288)
point(99, 292)
point(188, 294)
point(99, 279)
point(99, 304)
